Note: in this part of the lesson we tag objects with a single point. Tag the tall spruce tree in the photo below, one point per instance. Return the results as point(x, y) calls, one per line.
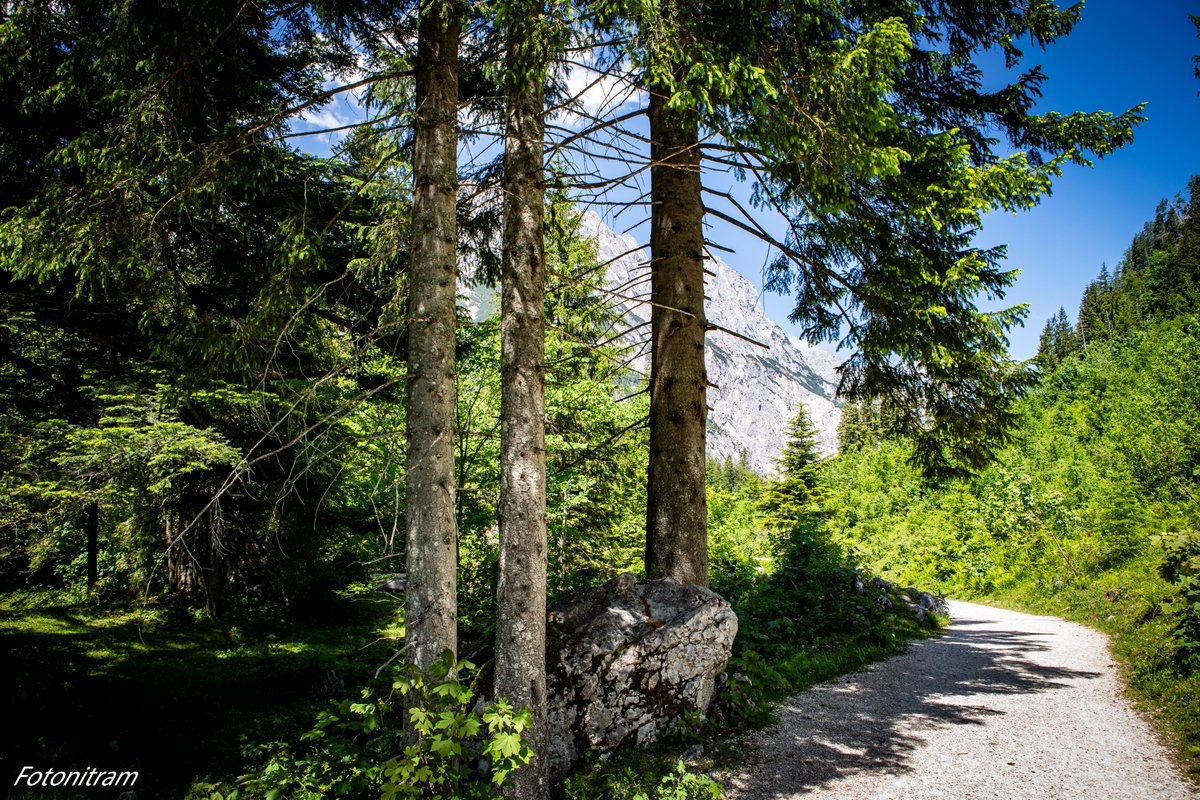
point(687, 66)
point(431, 616)
point(521, 587)
point(676, 525)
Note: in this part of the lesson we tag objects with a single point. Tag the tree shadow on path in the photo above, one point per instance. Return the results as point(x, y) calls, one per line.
point(871, 722)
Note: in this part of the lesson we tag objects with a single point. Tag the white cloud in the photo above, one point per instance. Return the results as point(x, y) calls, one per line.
point(594, 93)
point(321, 119)
point(320, 129)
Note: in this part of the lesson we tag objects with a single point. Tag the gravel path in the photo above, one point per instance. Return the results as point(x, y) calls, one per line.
point(1002, 705)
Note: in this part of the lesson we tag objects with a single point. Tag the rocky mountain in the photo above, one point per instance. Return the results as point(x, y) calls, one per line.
point(758, 389)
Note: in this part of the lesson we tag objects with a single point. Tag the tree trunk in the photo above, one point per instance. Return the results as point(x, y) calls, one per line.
point(431, 617)
point(521, 592)
point(676, 526)
point(93, 544)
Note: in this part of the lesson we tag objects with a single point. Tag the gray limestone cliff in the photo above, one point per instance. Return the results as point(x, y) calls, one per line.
point(758, 390)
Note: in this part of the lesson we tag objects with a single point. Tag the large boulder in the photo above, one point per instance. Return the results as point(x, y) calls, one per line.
point(626, 660)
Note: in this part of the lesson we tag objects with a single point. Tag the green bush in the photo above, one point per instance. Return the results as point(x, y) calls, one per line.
point(641, 779)
point(1181, 568)
point(361, 749)
point(683, 785)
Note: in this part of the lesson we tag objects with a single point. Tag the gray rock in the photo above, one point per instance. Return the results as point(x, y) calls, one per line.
point(920, 603)
point(627, 660)
point(933, 604)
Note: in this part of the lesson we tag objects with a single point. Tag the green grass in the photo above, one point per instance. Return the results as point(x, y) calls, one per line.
point(835, 656)
point(174, 699)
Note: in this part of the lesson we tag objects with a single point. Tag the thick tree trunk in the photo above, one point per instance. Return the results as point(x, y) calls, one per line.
point(521, 592)
point(431, 606)
point(676, 527)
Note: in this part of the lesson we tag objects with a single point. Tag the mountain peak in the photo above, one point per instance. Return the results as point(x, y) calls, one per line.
point(759, 388)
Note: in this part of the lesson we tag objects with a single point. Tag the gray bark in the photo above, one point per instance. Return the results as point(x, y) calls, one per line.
point(521, 591)
point(431, 605)
point(93, 545)
point(676, 526)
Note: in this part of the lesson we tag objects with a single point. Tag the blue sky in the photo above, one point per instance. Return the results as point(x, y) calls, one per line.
point(1118, 56)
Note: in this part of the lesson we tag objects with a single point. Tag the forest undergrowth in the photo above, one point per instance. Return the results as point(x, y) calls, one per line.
point(207, 707)
point(300, 702)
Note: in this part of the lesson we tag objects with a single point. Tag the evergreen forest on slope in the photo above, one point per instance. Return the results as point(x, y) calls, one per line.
point(238, 391)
